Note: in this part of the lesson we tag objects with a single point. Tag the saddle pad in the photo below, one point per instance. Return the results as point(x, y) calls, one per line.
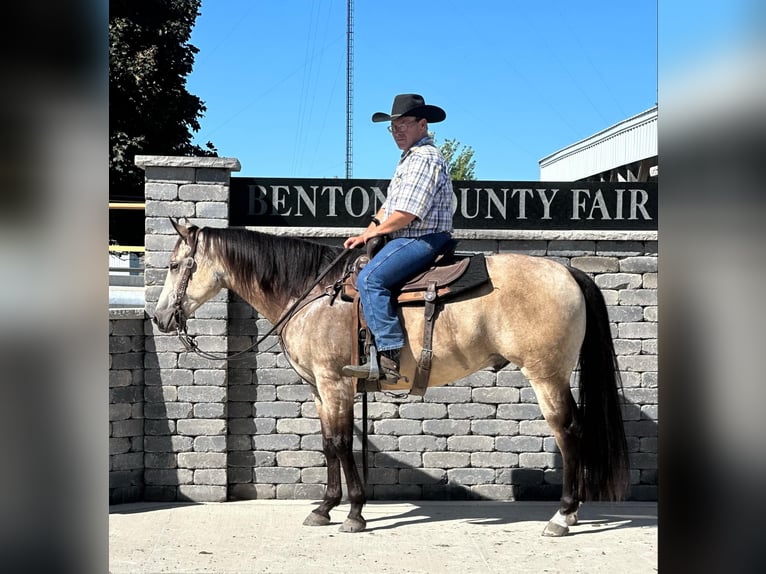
point(472, 272)
point(475, 275)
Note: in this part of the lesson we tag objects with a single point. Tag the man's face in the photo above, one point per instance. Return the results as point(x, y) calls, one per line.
point(407, 130)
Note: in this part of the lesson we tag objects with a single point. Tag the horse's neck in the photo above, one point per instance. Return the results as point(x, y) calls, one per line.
point(268, 308)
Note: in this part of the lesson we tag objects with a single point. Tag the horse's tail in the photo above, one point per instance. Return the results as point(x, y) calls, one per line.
point(603, 471)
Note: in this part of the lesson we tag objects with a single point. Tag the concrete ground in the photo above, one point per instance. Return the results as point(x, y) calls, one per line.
point(402, 537)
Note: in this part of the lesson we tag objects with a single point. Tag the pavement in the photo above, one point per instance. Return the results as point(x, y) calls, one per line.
point(267, 536)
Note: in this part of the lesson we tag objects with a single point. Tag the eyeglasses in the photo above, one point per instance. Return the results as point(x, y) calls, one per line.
point(401, 127)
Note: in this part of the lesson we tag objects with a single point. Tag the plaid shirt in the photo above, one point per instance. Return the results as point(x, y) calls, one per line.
point(421, 186)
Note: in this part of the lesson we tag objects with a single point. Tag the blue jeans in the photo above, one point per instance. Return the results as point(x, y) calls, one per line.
point(400, 259)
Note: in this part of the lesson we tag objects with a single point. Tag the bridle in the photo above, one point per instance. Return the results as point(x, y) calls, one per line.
point(188, 265)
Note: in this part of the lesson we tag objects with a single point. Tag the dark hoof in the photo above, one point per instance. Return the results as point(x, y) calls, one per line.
point(316, 519)
point(555, 530)
point(353, 525)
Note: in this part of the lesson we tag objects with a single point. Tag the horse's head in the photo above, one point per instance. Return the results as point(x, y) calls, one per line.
point(191, 280)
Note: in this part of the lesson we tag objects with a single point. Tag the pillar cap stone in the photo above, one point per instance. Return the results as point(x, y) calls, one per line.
point(230, 163)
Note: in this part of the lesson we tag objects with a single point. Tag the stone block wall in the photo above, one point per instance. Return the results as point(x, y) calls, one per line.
point(126, 405)
point(247, 428)
point(479, 437)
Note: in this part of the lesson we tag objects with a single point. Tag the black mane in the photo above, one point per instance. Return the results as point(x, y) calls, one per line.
point(282, 267)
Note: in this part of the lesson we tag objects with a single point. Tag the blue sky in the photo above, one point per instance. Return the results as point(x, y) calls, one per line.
point(518, 80)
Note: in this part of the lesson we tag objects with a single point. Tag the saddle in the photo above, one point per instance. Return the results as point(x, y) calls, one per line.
point(450, 275)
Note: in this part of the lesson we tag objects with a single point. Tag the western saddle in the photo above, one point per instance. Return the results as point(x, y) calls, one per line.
point(450, 275)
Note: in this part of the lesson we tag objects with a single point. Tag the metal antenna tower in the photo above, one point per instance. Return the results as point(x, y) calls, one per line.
point(349, 86)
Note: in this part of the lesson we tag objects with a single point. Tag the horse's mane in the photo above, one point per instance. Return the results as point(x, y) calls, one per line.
point(280, 267)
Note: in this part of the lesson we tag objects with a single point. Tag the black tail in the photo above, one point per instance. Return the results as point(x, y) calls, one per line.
point(603, 471)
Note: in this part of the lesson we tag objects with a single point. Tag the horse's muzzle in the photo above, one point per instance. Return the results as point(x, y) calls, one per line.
point(166, 322)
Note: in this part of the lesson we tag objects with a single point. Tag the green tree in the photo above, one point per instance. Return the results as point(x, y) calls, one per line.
point(150, 110)
point(461, 163)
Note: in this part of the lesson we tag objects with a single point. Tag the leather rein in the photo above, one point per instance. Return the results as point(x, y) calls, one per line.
point(188, 269)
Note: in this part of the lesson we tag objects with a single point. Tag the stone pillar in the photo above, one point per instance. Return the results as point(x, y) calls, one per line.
point(185, 395)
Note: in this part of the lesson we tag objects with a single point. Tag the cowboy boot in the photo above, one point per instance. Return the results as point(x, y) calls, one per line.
point(389, 367)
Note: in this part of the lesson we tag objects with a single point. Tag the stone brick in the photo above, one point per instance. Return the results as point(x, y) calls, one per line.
point(202, 493)
point(209, 410)
point(210, 444)
point(594, 264)
point(118, 412)
point(300, 458)
point(167, 443)
point(478, 379)
point(298, 426)
point(446, 459)
point(168, 477)
point(495, 395)
point(277, 442)
point(300, 491)
point(619, 281)
point(493, 427)
point(314, 475)
point(639, 363)
point(203, 192)
point(277, 410)
point(638, 297)
point(519, 412)
point(637, 331)
point(128, 428)
point(470, 443)
point(448, 395)
point(471, 475)
point(519, 443)
point(423, 411)
point(471, 411)
point(534, 428)
point(539, 460)
point(422, 476)
point(420, 443)
point(512, 378)
point(202, 394)
point(493, 459)
point(398, 459)
point(298, 393)
point(277, 475)
point(210, 476)
point(640, 264)
point(376, 410)
point(201, 460)
point(446, 427)
point(398, 427)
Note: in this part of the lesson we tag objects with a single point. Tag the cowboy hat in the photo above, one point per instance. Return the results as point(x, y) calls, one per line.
point(411, 105)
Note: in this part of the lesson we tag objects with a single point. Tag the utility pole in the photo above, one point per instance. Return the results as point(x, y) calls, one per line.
point(349, 87)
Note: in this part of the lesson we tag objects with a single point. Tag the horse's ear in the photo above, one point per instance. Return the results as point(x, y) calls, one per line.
point(182, 230)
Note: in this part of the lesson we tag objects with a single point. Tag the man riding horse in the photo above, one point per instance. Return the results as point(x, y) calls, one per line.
point(416, 216)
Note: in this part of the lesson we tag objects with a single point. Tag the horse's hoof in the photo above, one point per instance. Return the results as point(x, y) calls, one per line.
point(571, 519)
point(353, 525)
point(316, 519)
point(556, 530)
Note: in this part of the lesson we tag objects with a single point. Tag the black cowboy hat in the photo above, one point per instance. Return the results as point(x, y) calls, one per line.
point(411, 105)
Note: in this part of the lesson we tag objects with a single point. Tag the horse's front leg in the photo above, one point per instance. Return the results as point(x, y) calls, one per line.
point(344, 444)
point(333, 492)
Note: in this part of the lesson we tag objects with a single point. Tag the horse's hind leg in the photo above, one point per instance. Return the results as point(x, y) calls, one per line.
point(560, 411)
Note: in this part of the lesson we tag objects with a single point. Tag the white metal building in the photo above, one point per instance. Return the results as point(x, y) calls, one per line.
point(626, 151)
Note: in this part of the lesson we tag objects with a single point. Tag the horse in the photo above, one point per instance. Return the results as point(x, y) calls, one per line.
point(545, 317)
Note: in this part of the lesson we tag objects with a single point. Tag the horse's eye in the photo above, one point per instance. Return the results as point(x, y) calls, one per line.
point(174, 266)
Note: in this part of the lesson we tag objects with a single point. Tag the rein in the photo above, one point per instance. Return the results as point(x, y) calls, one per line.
point(188, 340)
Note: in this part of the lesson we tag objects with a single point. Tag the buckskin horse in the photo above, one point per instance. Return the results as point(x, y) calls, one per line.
point(536, 313)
